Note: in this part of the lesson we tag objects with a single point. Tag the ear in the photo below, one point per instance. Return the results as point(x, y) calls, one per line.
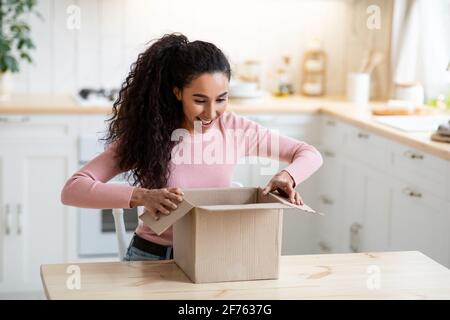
point(177, 93)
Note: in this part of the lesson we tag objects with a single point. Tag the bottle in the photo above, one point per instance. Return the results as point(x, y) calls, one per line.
point(284, 85)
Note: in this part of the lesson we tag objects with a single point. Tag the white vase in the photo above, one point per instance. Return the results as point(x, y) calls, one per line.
point(6, 85)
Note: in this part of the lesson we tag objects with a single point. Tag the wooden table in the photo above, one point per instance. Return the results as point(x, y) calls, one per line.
point(382, 275)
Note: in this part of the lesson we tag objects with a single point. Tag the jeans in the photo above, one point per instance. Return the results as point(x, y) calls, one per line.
point(135, 254)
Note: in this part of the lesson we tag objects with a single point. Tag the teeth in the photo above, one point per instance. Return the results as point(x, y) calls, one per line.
point(206, 122)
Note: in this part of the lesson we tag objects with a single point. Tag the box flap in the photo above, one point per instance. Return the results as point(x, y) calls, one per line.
point(301, 208)
point(164, 222)
point(242, 207)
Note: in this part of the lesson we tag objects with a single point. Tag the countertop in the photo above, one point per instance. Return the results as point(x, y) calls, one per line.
point(382, 275)
point(333, 106)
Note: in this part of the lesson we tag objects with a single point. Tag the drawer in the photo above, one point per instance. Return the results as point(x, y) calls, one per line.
point(331, 172)
point(36, 126)
point(421, 169)
point(367, 147)
point(333, 132)
point(304, 127)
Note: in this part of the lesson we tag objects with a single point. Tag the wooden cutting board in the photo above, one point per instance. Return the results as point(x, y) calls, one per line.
point(399, 112)
point(440, 138)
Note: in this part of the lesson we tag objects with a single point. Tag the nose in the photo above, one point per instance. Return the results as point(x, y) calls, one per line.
point(209, 112)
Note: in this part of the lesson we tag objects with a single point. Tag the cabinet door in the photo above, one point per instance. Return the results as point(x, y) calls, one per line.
point(42, 171)
point(420, 221)
point(329, 202)
point(353, 199)
point(9, 239)
point(375, 232)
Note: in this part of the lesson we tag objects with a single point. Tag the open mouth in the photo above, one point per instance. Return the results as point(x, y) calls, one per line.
point(205, 123)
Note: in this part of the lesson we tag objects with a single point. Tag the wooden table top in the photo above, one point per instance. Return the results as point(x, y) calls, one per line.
point(378, 275)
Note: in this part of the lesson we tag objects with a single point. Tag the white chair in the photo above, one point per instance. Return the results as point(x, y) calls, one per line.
point(119, 223)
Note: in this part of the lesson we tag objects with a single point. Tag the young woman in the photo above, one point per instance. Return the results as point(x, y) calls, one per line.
point(178, 85)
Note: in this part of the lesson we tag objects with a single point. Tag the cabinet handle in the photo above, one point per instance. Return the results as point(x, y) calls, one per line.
point(19, 219)
point(355, 236)
point(7, 220)
point(331, 123)
point(412, 155)
point(324, 247)
point(20, 119)
point(412, 193)
point(329, 154)
point(363, 135)
point(326, 200)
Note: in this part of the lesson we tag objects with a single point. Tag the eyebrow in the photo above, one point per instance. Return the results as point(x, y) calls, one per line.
point(204, 96)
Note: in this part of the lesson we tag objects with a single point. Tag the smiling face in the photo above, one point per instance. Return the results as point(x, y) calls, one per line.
point(204, 99)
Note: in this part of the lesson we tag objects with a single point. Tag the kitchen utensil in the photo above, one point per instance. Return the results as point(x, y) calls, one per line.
point(375, 59)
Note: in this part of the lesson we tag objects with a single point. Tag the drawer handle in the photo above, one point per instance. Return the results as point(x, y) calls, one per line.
point(329, 154)
point(7, 220)
point(324, 247)
point(19, 219)
point(412, 155)
point(412, 193)
point(355, 238)
point(326, 200)
point(331, 123)
point(363, 135)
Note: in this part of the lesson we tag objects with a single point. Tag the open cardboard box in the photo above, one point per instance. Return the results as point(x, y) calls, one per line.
point(226, 234)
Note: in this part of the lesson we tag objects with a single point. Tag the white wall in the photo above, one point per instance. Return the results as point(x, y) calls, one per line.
point(113, 32)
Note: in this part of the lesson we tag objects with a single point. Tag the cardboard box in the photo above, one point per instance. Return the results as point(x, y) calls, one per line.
point(226, 234)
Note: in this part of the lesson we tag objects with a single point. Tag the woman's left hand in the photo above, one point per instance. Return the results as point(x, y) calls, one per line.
point(284, 183)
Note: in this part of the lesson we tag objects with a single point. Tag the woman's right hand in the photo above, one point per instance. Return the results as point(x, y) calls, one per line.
point(157, 201)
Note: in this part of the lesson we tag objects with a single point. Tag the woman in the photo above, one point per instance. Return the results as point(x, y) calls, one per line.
point(178, 85)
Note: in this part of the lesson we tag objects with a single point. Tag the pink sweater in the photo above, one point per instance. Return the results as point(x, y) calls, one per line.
point(88, 188)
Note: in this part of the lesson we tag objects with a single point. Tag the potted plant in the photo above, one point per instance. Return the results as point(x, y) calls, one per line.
point(15, 40)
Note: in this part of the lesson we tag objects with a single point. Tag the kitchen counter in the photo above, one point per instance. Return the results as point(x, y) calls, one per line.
point(333, 106)
point(382, 275)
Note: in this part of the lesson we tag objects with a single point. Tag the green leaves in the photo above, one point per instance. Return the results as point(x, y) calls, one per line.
point(15, 40)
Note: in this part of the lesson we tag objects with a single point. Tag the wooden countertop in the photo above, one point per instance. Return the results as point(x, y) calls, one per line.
point(383, 275)
point(333, 106)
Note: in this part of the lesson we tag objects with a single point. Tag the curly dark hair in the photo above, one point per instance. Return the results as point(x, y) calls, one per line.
point(147, 111)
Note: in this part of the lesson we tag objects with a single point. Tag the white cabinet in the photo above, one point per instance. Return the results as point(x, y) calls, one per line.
point(420, 221)
point(375, 234)
point(35, 166)
point(329, 202)
point(380, 195)
point(9, 247)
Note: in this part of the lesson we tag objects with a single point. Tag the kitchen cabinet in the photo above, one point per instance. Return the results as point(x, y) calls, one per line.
point(389, 196)
point(329, 201)
point(35, 165)
point(419, 168)
point(420, 221)
point(9, 257)
point(366, 207)
point(375, 232)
